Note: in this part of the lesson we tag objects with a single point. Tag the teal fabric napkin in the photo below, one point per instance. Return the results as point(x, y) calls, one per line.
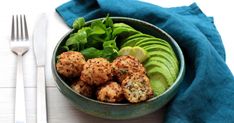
point(207, 92)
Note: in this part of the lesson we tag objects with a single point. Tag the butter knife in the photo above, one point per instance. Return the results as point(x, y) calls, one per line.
point(39, 46)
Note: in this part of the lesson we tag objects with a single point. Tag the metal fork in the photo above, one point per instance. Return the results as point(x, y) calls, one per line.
point(19, 45)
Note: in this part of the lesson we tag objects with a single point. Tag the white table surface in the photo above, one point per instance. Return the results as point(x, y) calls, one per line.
point(59, 108)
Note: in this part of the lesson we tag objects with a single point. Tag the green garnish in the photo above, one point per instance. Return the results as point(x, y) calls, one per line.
point(98, 39)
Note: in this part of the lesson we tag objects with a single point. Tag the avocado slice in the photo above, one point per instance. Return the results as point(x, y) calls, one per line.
point(168, 59)
point(160, 50)
point(124, 31)
point(151, 41)
point(158, 81)
point(155, 47)
point(115, 25)
point(137, 36)
point(156, 41)
point(164, 64)
point(158, 86)
point(164, 72)
point(132, 42)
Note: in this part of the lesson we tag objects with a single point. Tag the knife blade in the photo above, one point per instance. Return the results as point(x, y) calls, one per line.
point(39, 46)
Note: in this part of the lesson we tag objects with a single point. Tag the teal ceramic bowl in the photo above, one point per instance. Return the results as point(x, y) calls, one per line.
point(119, 110)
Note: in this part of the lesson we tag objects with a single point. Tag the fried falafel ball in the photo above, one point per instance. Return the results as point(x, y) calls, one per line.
point(124, 66)
point(83, 88)
point(96, 71)
point(136, 88)
point(70, 64)
point(110, 92)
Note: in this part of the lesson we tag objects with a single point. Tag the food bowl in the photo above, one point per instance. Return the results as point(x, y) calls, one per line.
point(121, 110)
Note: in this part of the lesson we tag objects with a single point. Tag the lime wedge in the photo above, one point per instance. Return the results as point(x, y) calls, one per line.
point(125, 51)
point(136, 52)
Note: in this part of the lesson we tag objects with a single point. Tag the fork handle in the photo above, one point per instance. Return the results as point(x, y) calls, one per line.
point(41, 95)
point(20, 111)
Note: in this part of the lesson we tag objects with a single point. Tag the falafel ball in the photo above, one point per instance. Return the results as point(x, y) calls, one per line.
point(83, 88)
point(70, 64)
point(136, 88)
point(124, 66)
point(96, 71)
point(110, 92)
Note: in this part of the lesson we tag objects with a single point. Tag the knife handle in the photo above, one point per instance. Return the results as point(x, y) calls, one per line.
point(41, 95)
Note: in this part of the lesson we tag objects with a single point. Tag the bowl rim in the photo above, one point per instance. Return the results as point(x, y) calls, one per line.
point(176, 82)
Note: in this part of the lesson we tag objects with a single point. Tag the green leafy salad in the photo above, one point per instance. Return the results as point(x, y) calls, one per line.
point(97, 40)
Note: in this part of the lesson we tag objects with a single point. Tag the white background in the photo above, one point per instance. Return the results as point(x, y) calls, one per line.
point(59, 109)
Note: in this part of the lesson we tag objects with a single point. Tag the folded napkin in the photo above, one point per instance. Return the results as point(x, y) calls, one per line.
point(207, 92)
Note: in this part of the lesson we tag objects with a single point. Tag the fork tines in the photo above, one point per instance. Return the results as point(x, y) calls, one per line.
point(19, 29)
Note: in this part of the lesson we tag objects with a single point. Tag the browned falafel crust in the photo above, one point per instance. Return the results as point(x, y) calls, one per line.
point(110, 92)
point(136, 88)
point(124, 66)
point(70, 64)
point(96, 71)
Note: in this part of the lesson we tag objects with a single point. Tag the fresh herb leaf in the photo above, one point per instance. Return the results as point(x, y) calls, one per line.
point(91, 52)
point(109, 53)
point(108, 21)
point(77, 40)
point(71, 40)
point(82, 36)
point(66, 48)
point(78, 23)
point(98, 39)
point(108, 34)
point(98, 28)
point(111, 44)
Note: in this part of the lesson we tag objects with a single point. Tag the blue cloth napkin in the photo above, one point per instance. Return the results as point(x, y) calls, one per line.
point(207, 92)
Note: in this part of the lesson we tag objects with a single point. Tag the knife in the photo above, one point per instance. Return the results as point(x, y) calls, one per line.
point(39, 46)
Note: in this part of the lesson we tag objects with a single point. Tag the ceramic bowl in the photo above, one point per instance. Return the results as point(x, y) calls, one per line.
point(119, 110)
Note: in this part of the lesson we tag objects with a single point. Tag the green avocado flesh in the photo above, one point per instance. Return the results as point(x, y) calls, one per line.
point(167, 59)
point(158, 81)
point(132, 42)
point(165, 65)
point(162, 65)
point(152, 41)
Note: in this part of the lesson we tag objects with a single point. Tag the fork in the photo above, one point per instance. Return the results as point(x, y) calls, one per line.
point(19, 45)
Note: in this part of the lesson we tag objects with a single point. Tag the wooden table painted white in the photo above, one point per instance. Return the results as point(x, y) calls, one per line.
point(60, 109)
